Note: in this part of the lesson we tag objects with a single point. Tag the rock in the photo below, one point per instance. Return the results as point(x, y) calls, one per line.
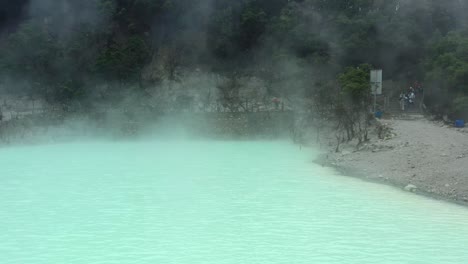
point(446, 119)
point(460, 156)
point(345, 152)
point(364, 147)
point(443, 155)
point(410, 188)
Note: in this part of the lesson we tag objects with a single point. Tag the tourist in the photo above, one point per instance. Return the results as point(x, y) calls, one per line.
point(412, 97)
point(402, 101)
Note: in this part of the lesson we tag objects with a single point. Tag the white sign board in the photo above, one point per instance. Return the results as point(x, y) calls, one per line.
point(376, 82)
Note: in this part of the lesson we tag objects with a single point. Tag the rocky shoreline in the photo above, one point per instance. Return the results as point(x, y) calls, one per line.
point(420, 156)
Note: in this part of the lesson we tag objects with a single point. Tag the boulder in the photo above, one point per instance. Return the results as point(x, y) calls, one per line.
point(345, 152)
point(410, 188)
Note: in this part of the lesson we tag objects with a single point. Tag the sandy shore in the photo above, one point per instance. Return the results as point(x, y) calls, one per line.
point(421, 156)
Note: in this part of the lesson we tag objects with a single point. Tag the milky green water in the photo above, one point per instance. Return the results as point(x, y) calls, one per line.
point(218, 202)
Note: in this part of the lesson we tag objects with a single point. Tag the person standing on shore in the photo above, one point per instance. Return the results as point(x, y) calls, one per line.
point(402, 101)
point(412, 97)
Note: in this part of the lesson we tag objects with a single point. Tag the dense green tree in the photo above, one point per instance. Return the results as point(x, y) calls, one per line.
point(352, 103)
point(38, 63)
point(447, 63)
point(123, 61)
point(61, 50)
point(447, 74)
point(355, 84)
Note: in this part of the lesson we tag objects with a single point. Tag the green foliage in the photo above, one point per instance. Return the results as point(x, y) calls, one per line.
point(123, 62)
point(292, 45)
point(26, 59)
point(460, 106)
point(252, 26)
point(355, 83)
point(222, 34)
point(38, 63)
point(349, 7)
point(447, 65)
point(359, 40)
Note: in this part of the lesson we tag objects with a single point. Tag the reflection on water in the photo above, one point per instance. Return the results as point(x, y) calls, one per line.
point(210, 202)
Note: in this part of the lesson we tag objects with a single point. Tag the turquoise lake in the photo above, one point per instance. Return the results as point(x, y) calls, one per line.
point(210, 202)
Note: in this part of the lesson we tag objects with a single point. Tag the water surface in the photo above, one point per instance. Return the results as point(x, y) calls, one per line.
point(210, 202)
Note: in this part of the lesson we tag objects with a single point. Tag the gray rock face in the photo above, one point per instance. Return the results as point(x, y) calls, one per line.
point(410, 188)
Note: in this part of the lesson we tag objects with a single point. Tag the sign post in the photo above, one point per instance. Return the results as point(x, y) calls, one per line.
point(376, 85)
